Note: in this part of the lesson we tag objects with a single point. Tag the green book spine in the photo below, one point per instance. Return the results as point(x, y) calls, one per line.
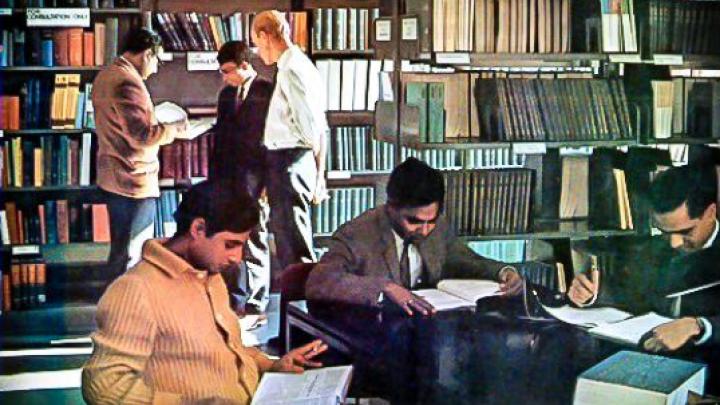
point(416, 94)
point(436, 112)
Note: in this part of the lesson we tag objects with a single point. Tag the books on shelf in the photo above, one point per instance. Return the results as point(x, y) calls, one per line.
point(354, 149)
point(343, 29)
point(192, 31)
point(185, 159)
point(351, 84)
point(679, 27)
point(686, 107)
point(25, 284)
point(452, 159)
point(619, 32)
point(482, 202)
point(168, 202)
point(344, 204)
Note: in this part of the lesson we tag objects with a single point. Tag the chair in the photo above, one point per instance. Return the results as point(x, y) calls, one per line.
point(292, 288)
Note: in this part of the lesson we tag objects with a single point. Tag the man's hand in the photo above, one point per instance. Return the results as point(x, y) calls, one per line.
point(672, 335)
point(320, 193)
point(510, 282)
point(406, 300)
point(296, 360)
point(582, 290)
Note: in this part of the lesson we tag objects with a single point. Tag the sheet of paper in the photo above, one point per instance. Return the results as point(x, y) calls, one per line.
point(321, 386)
point(443, 301)
point(470, 290)
point(588, 317)
point(630, 330)
point(41, 380)
point(168, 113)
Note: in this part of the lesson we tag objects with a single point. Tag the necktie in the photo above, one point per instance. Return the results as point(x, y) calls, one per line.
point(240, 98)
point(405, 263)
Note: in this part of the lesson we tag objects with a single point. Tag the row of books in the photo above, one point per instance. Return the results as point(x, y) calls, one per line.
point(47, 161)
point(343, 29)
point(552, 110)
point(93, 4)
point(354, 149)
point(482, 202)
point(686, 107)
point(351, 84)
point(515, 26)
point(184, 159)
point(24, 286)
point(62, 46)
point(344, 204)
point(191, 31)
point(508, 251)
point(684, 27)
point(619, 31)
point(54, 222)
point(166, 206)
point(452, 159)
point(41, 106)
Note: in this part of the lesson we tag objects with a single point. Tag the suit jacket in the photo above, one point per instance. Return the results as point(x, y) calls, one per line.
point(129, 136)
point(363, 257)
point(239, 132)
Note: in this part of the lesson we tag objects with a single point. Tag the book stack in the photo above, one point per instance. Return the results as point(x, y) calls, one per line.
point(191, 31)
point(351, 84)
point(344, 204)
point(482, 202)
point(343, 29)
point(619, 33)
point(47, 161)
point(185, 159)
point(354, 149)
point(24, 286)
point(40, 105)
point(55, 222)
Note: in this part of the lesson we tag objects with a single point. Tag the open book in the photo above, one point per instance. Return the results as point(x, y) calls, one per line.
point(324, 386)
point(609, 323)
point(170, 113)
point(451, 294)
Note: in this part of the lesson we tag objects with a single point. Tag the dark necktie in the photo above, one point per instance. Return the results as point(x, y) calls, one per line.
point(240, 97)
point(405, 263)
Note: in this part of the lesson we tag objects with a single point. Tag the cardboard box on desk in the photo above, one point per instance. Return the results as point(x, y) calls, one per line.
point(639, 378)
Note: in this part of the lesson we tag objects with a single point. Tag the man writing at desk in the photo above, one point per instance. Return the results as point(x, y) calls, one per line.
point(166, 333)
point(684, 208)
point(380, 256)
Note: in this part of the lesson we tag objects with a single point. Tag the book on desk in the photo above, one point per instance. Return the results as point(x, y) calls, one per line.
point(324, 386)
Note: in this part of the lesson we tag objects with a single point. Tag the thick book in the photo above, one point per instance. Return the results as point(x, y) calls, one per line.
point(325, 386)
point(639, 378)
point(452, 294)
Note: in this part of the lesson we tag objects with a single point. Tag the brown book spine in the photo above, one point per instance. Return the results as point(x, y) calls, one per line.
point(187, 159)
point(31, 290)
point(204, 161)
point(7, 297)
point(21, 227)
point(63, 222)
point(43, 224)
point(167, 163)
point(13, 113)
point(15, 279)
point(100, 223)
point(195, 151)
point(61, 45)
point(24, 285)
point(41, 283)
point(88, 50)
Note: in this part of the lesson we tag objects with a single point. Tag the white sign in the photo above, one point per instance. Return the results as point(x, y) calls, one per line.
point(625, 58)
point(2, 133)
point(529, 148)
point(198, 61)
point(452, 58)
point(338, 174)
point(661, 59)
point(383, 30)
point(165, 56)
point(576, 151)
point(410, 29)
point(5, 11)
point(26, 250)
point(58, 17)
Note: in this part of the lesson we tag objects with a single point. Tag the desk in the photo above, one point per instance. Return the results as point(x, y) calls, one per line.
point(458, 357)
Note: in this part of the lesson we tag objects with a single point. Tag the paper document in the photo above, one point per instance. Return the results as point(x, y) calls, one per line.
point(587, 317)
point(322, 386)
point(451, 294)
point(41, 380)
point(169, 113)
point(630, 330)
point(443, 301)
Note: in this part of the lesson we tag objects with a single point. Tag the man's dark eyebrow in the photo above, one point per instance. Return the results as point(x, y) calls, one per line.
point(416, 219)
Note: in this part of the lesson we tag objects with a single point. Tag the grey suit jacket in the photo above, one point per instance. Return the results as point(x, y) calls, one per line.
point(363, 257)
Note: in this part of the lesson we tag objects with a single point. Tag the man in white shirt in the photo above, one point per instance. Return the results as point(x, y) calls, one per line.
point(295, 133)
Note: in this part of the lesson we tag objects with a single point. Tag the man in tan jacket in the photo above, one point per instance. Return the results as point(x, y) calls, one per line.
point(129, 138)
point(166, 333)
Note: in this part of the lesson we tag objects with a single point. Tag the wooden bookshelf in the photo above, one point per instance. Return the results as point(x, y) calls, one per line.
point(312, 4)
point(350, 118)
point(327, 53)
point(532, 59)
point(216, 6)
point(50, 69)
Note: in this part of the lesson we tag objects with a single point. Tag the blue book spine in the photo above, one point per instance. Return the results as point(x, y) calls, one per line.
point(80, 112)
point(51, 222)
point(47, 52)
point(4, 49)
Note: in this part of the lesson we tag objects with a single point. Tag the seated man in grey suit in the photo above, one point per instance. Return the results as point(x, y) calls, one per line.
point(378, 257)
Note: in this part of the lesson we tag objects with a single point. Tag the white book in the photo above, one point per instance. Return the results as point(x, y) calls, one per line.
point(4, 231)
point(333, 101)
point(85, 155)
point(361, 83)
point(452, 294)
point(169, 113)
point(325, 386)
point(323, 67)
point(373, 83)
point(348, 79)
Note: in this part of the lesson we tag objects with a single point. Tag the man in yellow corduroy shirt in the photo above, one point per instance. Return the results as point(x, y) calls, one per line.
point(166, 333)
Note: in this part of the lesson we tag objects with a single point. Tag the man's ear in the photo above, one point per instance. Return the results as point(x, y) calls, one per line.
point(711, 211)
point(198, 228)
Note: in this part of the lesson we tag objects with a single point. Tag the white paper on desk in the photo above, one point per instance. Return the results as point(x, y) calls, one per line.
point(41, 380)
point(321, 386)
point(630, 330)
point(169, 113)
point(587, 317)
point(443, 301)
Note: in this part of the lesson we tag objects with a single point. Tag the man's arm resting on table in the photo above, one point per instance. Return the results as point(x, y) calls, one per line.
point(123, 344)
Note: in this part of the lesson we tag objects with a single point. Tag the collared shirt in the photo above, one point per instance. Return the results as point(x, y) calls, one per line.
point(413, 256)
point(245, 88)
point(296, 117)
point(707, 326)
point(166, 334)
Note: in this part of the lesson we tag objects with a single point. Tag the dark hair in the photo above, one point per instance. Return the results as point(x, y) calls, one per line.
point(696, 184)
point(223, 206)
point(415, 184)
point(140, 39)
point(234, 51)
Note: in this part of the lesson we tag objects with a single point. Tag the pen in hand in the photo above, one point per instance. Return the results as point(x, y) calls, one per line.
point(595, 274)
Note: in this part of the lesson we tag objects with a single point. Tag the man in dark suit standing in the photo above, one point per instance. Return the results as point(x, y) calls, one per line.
point(239, 154)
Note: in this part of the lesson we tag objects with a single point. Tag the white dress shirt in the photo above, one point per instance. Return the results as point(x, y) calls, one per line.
point(707, 326)
point(245, 87)
point(413, 256)
point(296, 116)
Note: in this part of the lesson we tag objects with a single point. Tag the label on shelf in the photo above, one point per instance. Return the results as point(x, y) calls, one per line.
point(452, 58)
point(409, 29)
point(667, 59)
point(383, 30)
point(338, 174)
point(6, 11)
point(576, 151)
point(165, 56)
point(25, 250)
point(625, 58)
point(58, 17)
point(529, 148)
point(202, 61)
point(705, 73)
